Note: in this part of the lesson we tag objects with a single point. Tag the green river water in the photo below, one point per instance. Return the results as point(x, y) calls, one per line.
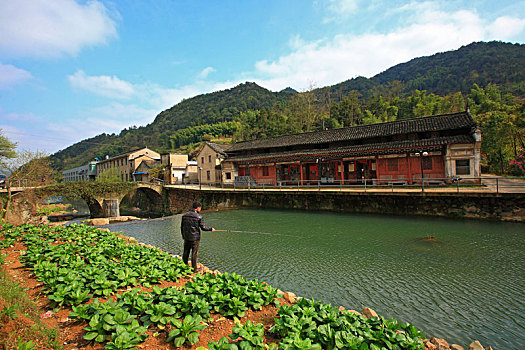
point(468, 285)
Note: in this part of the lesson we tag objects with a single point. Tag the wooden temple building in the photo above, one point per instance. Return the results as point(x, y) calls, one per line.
point(436, 149)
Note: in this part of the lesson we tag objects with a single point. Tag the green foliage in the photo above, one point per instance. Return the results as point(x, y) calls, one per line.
point(48, 209)
point(16, 298)
point(423, 86)
point(196, 134)
point(230, 294)
point(111, 175)
point(26, 345)
point(86, 190)
point(75, 260)
point(185, 331)
point(7, 150)
point(222, 344)
point(9, 312)
point(309, 325)
point(251, 335)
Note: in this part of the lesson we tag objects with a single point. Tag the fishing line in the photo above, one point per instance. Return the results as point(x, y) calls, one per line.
point(260, 233)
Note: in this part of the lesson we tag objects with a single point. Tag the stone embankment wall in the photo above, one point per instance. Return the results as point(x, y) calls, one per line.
point(497, 207)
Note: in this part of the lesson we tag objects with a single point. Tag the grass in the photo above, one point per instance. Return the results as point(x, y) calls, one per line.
point(19, 303)
point(48, 209)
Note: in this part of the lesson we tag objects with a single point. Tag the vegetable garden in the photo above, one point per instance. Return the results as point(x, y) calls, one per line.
point(112, 287)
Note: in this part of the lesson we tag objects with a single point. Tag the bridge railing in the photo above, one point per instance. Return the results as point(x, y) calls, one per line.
point(21, 183)
point(415, 184)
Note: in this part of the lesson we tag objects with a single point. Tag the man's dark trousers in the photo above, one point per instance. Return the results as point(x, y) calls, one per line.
point(192, 246)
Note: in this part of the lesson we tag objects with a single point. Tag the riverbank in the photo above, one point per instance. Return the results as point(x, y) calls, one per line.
point(72, 331)
point(503, 207)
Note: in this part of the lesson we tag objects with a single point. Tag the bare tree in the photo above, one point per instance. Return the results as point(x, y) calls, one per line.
point(27, 169)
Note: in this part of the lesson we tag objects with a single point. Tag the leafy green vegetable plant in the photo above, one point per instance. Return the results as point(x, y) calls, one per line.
point(251, 335)
point(185, 331)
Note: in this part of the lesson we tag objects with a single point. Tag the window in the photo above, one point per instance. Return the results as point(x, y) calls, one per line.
point(392, 164)
point(209, 159)
point(427, 163)
point(228, 176)
point(462, 166)
point(265, 171)
point(208, 175)
point(202, 160)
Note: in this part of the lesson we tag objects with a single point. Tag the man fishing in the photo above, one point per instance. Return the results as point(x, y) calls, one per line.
point(190, 227)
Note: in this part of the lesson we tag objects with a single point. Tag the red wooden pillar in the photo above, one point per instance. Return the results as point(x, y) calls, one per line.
point(379, 165)
point(409, 166)
point(301, 171)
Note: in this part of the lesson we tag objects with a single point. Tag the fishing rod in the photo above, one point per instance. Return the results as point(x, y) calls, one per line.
point(260, 233)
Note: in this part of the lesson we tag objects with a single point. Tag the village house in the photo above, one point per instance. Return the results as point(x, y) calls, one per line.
point(180, 169)
point(432, 149)
point(129, 165)
point(86, 172)
point(210, 164)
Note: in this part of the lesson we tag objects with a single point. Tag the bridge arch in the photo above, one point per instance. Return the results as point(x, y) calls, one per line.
point(145, 200)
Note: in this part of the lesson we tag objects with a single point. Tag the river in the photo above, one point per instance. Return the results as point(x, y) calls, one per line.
point(468, 284)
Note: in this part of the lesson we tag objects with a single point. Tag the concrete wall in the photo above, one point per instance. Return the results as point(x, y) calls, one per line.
point(498, 207)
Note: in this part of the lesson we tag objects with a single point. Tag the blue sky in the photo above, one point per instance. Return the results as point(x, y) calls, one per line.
point(72, 69)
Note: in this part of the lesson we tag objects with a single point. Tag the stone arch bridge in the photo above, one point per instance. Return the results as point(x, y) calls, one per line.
point(108, 204)
point(102, 199)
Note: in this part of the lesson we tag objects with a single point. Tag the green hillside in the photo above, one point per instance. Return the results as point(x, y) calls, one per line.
point(204, 109)
point(448, 72)
point(489, 76)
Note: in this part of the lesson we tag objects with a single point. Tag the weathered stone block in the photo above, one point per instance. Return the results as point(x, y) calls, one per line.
point(290, 297)
point(368, 312)
point(100, 221)
point(441, 344)
point(476, 345)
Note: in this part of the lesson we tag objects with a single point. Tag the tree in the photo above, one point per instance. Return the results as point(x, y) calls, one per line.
point(7, 151)
point(109, 176)
point(28, 169)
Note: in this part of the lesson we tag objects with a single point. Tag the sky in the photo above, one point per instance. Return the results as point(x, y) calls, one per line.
point(73, 69)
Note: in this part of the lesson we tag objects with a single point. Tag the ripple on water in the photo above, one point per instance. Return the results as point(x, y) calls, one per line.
point(467, 285)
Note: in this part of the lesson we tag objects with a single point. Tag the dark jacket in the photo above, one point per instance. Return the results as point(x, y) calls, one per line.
point(191, 226)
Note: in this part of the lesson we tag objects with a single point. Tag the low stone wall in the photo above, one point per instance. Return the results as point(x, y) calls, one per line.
point(496, 207)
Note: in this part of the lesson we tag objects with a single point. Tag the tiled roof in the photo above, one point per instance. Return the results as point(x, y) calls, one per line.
point(219, 147)
point(125, 154)
point(461, 120)
point(354, 151)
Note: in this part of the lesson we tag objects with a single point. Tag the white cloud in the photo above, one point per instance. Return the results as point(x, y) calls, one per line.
point(332, 60)
point(103, 85)
point(117, 116)
point(506, 28)
point(340, 9)
point(43, 28)
point(11, 75)
point(205, 72)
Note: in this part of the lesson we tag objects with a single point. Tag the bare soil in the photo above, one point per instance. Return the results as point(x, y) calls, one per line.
point(71, 332)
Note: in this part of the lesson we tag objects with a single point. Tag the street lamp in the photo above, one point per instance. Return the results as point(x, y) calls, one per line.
point(220, 163)
point(200, 176)
point(422, 154)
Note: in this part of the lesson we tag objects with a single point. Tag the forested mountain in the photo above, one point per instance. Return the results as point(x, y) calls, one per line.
point(448, 72)
point(488, 76)
point(206, 109)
